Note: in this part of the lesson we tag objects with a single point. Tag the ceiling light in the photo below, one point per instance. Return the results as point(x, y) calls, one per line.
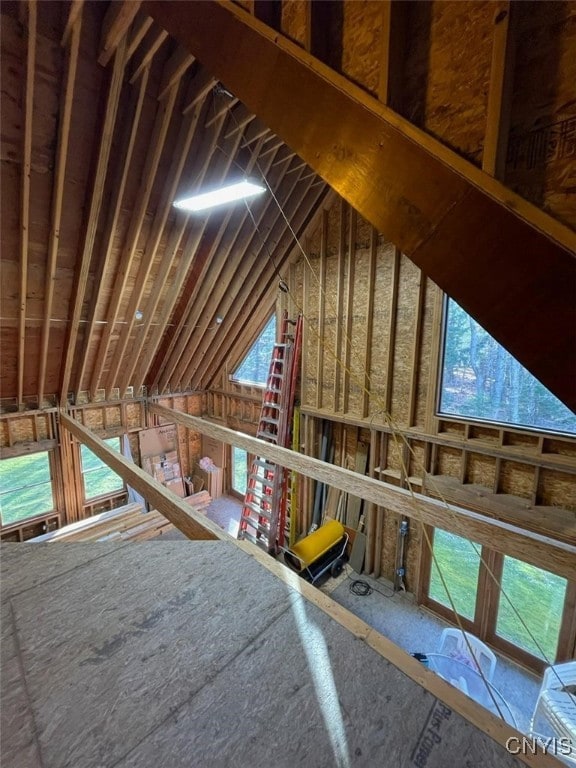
point(219, 196)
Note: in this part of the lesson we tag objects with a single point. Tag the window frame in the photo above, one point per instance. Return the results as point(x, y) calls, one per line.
point(87, 500)
point(45, 513)
point(472, 418)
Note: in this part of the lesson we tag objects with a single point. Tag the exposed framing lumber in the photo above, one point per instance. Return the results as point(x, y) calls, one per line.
point(139, 30)
point(57, 200)
point(508, 539)
point(28, 447)
point(157, 141)
point(81, 279)
point(391, 331)
point(171, 356)
point(488, 229)
point(256, 284)
point(204, 83)
point(174, 70)
point(73, 14)
point(321, 309)
point(147, 57)
point(500, 89)
point(182, 515)
point(25, 190)
point(339, 304)
point(416, 348)
point(119, 17)
point(168, 195)
point(369, 324)
point(351, 251)
point(393, 52)
point(112, 221)
point(220, 267)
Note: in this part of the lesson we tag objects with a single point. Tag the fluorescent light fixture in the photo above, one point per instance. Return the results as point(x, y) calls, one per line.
point(220, 196)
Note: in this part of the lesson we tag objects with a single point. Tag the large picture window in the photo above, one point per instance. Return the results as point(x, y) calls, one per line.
point(254, 367)
point(481, 380)
point(99, 479)
point(25, 487)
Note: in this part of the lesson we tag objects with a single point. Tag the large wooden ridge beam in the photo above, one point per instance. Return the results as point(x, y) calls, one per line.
point(182, 515)
point(538, 550)
point(507, 263)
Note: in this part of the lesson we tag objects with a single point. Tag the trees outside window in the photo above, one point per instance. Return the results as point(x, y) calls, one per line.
point(254, 367)
point(481, 380)
point(25, 487)
point(99, 479)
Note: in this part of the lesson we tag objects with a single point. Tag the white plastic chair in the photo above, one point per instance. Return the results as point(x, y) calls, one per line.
point(452, 642)
point(555, 708)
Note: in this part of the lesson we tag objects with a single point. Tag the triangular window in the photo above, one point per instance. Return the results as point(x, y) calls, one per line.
point(254, 367)
point(481, 380)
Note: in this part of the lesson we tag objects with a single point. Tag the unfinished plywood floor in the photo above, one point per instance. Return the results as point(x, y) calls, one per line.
point(194, 654)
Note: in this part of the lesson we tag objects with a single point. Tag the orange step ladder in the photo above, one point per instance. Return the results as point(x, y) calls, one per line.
point(264, 512)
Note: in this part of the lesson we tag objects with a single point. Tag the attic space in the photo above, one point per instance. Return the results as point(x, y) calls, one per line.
point(215, 414)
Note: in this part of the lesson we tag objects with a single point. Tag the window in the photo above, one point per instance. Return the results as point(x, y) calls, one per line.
point(480, 380)
point(460, 563)
point(540, 597)
point(239, 470)
point(25, 487)
point(254, 368)
point(99, 479)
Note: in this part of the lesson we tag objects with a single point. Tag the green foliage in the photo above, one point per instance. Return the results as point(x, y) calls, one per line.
point(537, 595)
point(254, 367)
point(481, 380)
point(239, 470)
point(99, 479)
point(25, 487)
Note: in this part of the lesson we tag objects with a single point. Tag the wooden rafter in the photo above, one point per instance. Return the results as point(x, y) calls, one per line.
point(179, 158)
point(393, 52)
point(73, 14)
point(93, 215)
point(117, 22)
point(164, 115)
point(500, 89)
point(511, 264)
point(200, 317)
point(252, 284)
point(212, 138)
point(111, 224)
point(140, 27)
point(174, 69)
point(25, 190)
point(57, 200)
point(147, 56)
point(205, 82)
point(256, 294)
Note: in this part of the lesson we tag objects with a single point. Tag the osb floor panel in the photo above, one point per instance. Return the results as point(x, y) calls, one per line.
point(184, 654)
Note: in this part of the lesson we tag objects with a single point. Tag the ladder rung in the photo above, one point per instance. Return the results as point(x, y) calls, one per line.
point(264, 464)
point(267, 481)
point(262, 529)
point(262, 543)
point(267, 435)
point(256, 509)
point(269, 420)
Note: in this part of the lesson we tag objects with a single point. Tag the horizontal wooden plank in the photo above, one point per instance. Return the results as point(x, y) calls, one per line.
point(533, 548)
point(179, 512)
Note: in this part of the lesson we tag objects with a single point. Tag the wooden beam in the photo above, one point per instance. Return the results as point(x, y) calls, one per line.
point(168, 195)
point(174, 69)
point(393, 52)
point(164, 114)
point(111, 224)
point(533, 548)
point(28, 447)
point(182, 515)
point(500, 89)
point(416, 350)
point(25, 191)
point(73, 15)
point(351, 257)
point(321, 309)
point(138, 33)
point(93, 215)
point(57, 201)
point(391, 331)
point(204, 82)
point(147, 56)
point(119, 17)
point(436, 201)
point(339, 305)
point(373, 258)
